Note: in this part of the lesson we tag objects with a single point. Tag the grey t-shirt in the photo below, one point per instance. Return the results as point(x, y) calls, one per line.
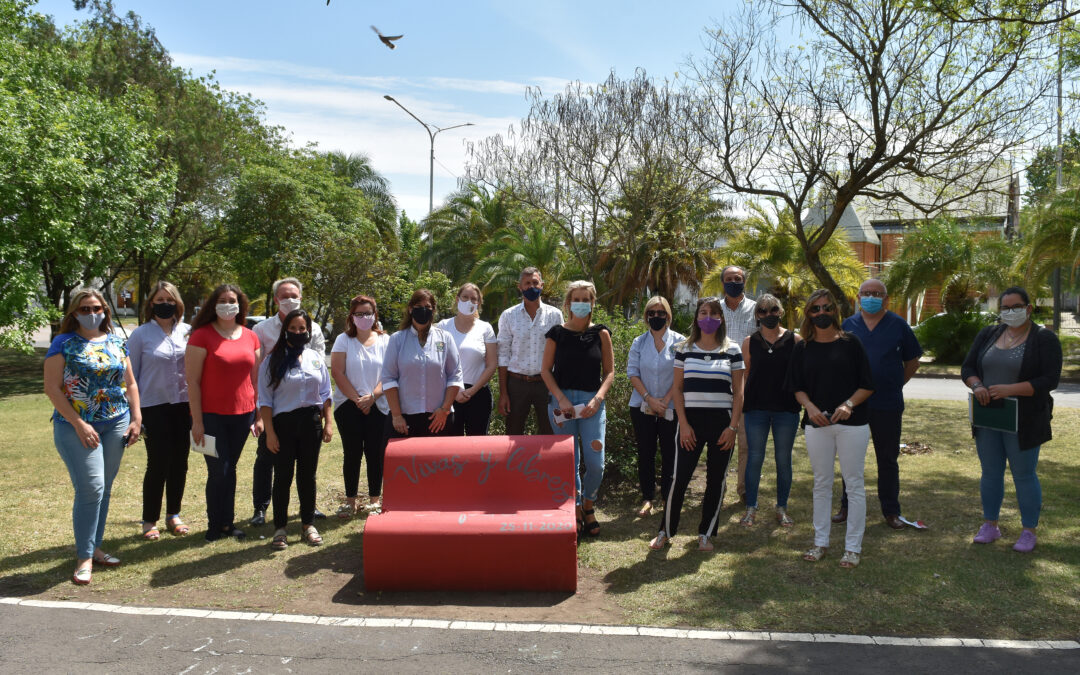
point(1002, 366)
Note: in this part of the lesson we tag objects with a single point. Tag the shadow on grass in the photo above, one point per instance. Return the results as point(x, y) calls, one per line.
point(20, 373)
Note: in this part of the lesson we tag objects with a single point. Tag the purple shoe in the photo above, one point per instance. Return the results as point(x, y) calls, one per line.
point(1026, 542)
point(989, 533)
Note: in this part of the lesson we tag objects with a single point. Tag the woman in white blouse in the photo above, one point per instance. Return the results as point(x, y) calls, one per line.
point(360, 409)
point(479, 353)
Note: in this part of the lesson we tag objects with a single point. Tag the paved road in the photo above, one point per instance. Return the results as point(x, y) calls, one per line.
point(36, 640)
point(951, 389)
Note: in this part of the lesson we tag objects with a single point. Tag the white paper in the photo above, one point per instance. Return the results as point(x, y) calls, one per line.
point(669, 414)
point(209, 446)
point(559, 419)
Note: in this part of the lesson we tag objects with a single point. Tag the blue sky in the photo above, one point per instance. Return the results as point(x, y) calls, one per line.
point(322, 72)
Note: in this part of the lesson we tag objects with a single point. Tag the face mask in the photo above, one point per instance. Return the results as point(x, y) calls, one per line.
point(465, 307)
point(163, 310)
point(90, 321)
point(297, 340)
point(770, 321)
point(871, 305)
point(422, 315)
point(288, 304)
point(709, 324)
point(1010, 317)
point(657, 323)
point(822, 320)
point(363, 322)
point(227, 310)
point(581, 309)
point(532, 294)
point(733, 289)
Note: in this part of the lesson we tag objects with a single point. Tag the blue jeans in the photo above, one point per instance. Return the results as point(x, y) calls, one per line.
point(92, 471)
point(757, 424)
point(994, 448)
point(588, 432)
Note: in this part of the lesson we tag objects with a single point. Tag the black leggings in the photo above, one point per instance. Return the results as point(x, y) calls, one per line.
point(472, 417)
point(299, 435)
point(362, 436)
point(167, 448)
point(654, 431)
point(708, 424)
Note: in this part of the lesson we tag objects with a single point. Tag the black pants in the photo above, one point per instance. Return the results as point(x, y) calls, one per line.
point(299, 435)
point(362, 436)
point(418, 426)
point(651, 432)
point(525, 396)
point(262, 476)
point(166, 428)
point(885, 431)
point(230, 432)
point(472, 417)
point(708, 424)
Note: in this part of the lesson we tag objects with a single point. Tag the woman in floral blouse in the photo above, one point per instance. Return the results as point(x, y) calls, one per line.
point(88, 378)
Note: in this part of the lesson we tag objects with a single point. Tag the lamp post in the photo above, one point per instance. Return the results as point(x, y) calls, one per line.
point(431, 135)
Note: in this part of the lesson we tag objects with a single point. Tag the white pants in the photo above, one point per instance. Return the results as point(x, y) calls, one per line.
point(823, 446)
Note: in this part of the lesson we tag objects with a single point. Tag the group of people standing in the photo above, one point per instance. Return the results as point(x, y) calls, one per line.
point(738, 375)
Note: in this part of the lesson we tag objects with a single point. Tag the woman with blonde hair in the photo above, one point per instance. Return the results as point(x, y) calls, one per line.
point(157, 359)
point(89, 381)
point(479, 353)
point(707, 388)
point(578, 369)
point(650, 367)
point(830, 377)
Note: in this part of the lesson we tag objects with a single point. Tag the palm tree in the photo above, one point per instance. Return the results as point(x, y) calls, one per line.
point(510, 250)
point(1051, 238)
point(457, 231)
point(359, 173)
point(767, 249)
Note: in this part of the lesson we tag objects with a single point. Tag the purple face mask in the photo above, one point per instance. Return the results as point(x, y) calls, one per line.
point(709, 324)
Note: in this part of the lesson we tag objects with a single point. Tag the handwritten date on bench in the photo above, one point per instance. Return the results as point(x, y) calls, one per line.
point(528, 526)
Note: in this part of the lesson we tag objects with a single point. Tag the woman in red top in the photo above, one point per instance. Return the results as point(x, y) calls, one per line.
point(221, 363)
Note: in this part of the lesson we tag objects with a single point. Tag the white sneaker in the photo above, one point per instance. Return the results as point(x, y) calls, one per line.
point(703, 543)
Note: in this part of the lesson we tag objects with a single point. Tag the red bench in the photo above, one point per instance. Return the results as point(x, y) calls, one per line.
point(475, 513)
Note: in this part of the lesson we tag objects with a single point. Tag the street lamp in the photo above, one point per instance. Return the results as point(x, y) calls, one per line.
point(431, 134)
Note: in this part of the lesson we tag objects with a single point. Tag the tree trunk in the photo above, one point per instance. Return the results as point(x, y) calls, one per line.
point(813, 261)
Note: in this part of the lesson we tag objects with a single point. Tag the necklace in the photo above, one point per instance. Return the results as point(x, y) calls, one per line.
point(1010, 341)
point(772, 344)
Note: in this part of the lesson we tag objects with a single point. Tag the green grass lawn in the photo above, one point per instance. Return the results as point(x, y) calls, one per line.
point(932, 582)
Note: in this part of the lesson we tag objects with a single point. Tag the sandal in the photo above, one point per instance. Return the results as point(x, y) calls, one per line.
point(849, 559)
point(783, 518)
point(311, 535)
point(814, 553)
point(177, 528)
point(748, 519)
point(107, 560)
point(81, 577)
point(375, 506)
point(592, 529)
point(150, 533)
point(659, 541)
point(346, 511)
point(280, 542)
point(646, 509)
point(703, 543)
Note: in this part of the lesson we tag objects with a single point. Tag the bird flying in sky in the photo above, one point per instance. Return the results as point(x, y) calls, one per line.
point(387, 40)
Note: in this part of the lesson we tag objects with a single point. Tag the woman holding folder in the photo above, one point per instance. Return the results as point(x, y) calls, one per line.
point(1014, 359)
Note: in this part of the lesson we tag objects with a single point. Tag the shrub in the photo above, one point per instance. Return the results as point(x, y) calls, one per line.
point(949, 336)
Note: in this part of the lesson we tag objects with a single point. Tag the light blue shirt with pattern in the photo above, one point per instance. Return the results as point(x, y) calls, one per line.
point(421, 373)
point(655, 368)
point(304, 385)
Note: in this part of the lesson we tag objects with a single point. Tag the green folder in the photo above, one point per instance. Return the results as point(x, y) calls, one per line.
point(1001, 414)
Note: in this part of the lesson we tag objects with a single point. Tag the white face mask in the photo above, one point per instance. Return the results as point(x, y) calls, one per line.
point(1014, 317)
point(227, 310)
point(466, 307)
point(288, 304)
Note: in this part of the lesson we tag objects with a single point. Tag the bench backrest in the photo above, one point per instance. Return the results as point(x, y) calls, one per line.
point(497, 474)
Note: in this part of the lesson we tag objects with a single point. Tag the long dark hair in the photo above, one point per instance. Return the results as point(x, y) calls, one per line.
point(208, 312)
point(279, 358)
point(695, 330)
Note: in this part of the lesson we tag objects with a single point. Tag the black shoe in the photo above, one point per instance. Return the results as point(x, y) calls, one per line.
point(318, 514)
point(234, 531)
point(840, 516)
point(258, 519)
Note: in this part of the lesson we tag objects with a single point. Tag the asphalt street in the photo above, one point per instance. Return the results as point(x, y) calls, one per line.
point(37, 640)
point(951, 389)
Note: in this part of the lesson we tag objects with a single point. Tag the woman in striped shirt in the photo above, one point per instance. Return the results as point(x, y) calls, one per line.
point(708, 400)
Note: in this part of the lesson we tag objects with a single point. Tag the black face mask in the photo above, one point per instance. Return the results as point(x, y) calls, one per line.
point(770, 321)
point(422, 315)
point(532, 294)
point(657, 323)
point(822, 320)
point(163, 310)
point(297, 340)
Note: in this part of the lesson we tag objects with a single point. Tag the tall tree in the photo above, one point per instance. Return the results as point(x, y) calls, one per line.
point(885, 101)
point(455, 233)
point(510, 250)
point(357, 170)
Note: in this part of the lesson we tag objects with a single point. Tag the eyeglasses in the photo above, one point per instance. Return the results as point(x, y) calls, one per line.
point(818, 309)
point(361, 315)
point(87, 309)
point(1020, 306)
point(659, 312)
point(871, 294)
point(764, 312)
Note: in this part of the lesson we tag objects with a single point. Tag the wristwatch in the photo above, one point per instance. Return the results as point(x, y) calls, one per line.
point(849, 404)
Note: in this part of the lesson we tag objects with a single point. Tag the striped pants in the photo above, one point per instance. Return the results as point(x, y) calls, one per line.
point(708, 424)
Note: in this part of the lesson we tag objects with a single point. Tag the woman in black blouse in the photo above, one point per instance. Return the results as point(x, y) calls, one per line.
point(768, 405)
point(830, 376)
point(578, 369)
